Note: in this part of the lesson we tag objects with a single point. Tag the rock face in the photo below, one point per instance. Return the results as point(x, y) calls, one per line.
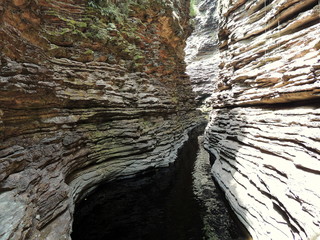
point(89, 92)
point(202, 48)
point(264, 128)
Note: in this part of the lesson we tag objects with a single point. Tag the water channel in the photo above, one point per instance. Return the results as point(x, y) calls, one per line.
point(180, 202)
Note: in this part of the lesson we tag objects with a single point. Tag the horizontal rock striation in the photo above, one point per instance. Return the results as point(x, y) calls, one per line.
point(269, 53)
point(267, 161)
point(202, 48)
point(89, 92)
point(264, 126)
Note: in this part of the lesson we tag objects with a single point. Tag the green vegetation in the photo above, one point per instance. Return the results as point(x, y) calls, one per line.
point(115, 28)
point(117, 11)
point(88, 52)
point(193, 9)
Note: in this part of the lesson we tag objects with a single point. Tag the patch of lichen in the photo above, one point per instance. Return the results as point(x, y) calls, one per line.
point(106, 29)
point(123, 28)
point(117, 32)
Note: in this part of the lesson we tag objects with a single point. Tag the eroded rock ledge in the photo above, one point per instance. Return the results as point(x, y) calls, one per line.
point(265, 124)
point(89, 92)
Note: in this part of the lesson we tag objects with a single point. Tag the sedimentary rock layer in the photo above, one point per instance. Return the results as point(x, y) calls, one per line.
point(89, 92)
point(264, 127)
point(202, 48)
point(269, 53)
point(267, 161)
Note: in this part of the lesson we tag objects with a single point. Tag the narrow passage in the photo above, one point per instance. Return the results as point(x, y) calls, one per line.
point(162, 204)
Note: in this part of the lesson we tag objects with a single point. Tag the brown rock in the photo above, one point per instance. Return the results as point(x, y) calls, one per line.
point(19, 3)
point(77, 107)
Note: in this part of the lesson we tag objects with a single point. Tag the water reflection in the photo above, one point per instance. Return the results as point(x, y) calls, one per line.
point(174, 203)
point(220, 223)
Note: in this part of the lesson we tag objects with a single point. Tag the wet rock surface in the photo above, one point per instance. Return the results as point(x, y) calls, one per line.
point(157, 205)
point(179, 202)
point(218, 218)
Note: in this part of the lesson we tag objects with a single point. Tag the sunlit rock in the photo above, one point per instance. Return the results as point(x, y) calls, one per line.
point(264, 126)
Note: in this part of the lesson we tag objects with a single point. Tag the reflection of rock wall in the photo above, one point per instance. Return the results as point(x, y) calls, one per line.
point(87, 93)
point(265, 127)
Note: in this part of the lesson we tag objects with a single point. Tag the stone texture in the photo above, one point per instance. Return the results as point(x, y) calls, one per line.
point(202, 48)
point(88, 93)
point(264, 126)
point(217, 221)
point(269, 54)
point(267, 161)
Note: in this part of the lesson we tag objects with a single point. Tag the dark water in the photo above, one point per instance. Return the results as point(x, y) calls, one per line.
point(158, 205)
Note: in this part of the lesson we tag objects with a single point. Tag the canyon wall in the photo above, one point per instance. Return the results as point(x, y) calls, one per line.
point(202, 48)
point(90, 91)
point(264, 129)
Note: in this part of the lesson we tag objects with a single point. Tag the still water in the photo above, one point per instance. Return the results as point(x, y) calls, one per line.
point(180, 202)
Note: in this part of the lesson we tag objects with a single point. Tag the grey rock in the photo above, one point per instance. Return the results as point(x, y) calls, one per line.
point(263, 130)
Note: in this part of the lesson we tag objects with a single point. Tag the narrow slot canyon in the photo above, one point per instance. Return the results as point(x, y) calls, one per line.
point(159, 119)
point(177, 202)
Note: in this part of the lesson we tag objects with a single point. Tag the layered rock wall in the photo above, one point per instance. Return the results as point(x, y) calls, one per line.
point(89, 91)
point(202, 48)
point(265, 124)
